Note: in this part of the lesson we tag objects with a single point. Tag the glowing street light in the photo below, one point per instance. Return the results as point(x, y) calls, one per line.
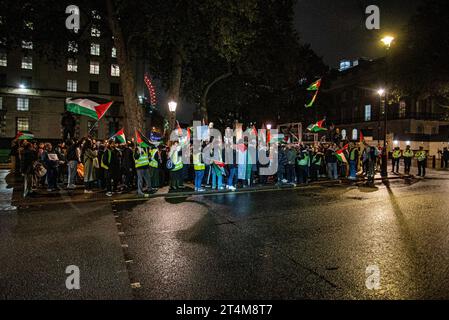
point(387, 41)
point(22, 86)
point(381, 92)
point(172, 105)
point(269, 126)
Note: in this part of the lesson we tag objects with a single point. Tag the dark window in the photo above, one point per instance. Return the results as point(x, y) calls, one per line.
point(2, 80)
point(26, 81)
point(115, 89)
point(93, 86)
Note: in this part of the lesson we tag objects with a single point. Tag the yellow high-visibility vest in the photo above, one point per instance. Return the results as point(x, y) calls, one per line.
point(397, 154)
point(143, 160)
point(153, 161)
point(408, 154)
point(198, 165)
point(421, 155)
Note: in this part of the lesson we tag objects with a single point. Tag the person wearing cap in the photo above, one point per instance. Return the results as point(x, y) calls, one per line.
point(421, 156)
point(397, 154)
point(408, 156)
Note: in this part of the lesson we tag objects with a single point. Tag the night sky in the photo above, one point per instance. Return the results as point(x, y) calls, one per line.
point(336, 29)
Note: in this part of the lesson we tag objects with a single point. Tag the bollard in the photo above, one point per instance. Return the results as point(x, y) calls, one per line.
point(434, 162)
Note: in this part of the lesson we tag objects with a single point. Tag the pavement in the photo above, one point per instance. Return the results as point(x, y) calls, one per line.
point(314, 242)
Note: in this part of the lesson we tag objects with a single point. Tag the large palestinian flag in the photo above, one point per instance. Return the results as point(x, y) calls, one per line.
point(87, 107)
point(25, 135)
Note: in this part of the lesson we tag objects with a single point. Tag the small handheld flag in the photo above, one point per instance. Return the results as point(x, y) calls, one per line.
point(119, 136)
point(317, 127)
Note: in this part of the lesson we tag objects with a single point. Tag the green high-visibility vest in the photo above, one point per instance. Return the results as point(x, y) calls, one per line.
point(397, 154)
point(318, 163)
point(304, 161)
point(103, 165)
point(143, 160)
point(153, 161)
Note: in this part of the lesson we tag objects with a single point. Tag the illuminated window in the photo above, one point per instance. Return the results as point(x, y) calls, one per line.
point(72, 47)
point(368, 112)
point(3, 59)
point(27, 44)
point(22, 124)
point(114, 52)
point(402, 109)
point(72, 85)
point(23, 104)
point(94, 32)
point(355, 135)
point(1, 103)
point(27, 63)
point(115, 70)
point(344, 134)
point(95, 49)
point(94, 67)
point(72, 65)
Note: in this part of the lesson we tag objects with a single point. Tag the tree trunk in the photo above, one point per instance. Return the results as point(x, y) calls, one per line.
point(175, 84)
point(133, 113)
point(203, 103)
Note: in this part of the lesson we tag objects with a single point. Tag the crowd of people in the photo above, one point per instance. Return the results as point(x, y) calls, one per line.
point(114, 167)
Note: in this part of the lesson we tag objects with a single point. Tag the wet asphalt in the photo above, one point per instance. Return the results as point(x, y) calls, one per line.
point(315, 243)
point(312, 243)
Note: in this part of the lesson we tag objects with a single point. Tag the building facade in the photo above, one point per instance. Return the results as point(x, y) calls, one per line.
point(357, 107)
point(33, 89)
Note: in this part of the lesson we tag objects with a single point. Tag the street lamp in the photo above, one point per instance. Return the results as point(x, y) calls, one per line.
point(387, 41)
point(172, 105)
point(269, 126)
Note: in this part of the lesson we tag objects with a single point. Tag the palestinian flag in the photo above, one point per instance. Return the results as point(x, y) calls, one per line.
point(317, 127)
point(25, 135)
point(87, 107)
point(119, 136)
point(218, 167)
point(315, 86)
point(341, 155)
point(142, 140)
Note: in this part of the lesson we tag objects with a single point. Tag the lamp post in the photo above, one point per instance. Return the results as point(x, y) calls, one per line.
point(380, 92)
point(172, 105)
point(387, 41)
